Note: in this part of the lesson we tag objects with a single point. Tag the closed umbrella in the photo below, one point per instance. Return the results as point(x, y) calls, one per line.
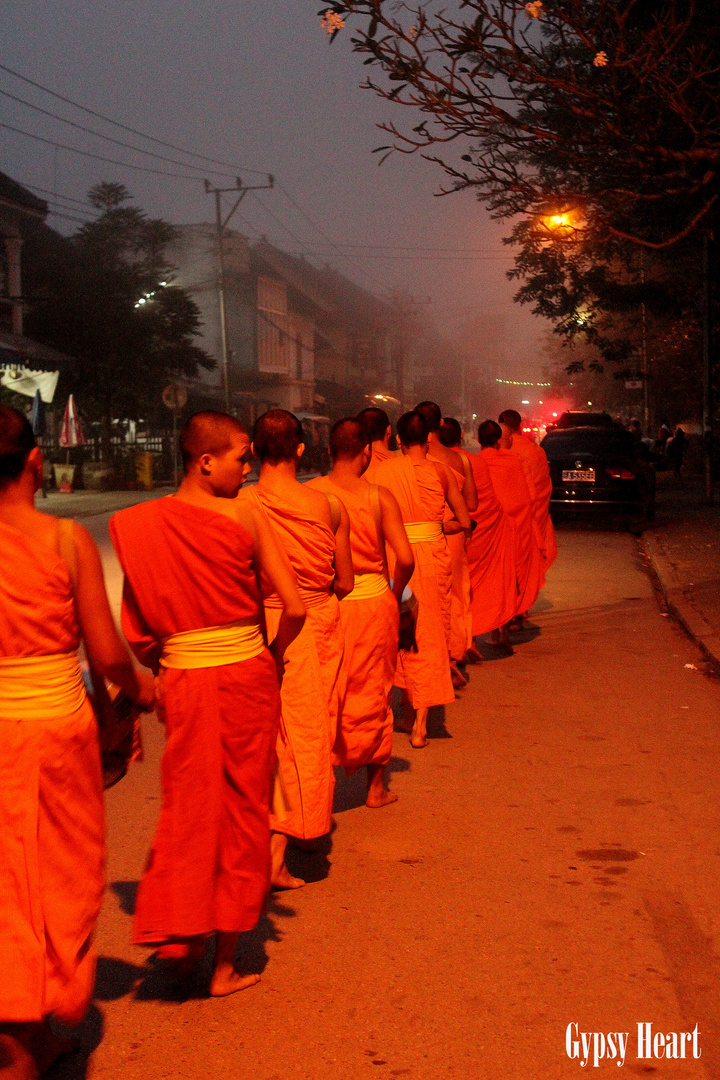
point(37, 416)
point(71, 434)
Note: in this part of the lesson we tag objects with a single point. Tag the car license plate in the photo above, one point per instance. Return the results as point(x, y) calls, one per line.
point(575, 475)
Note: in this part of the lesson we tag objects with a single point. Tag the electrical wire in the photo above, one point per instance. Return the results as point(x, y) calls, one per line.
point(109, 138)
point(98, 157)
point(124, 127)
point(65, 198)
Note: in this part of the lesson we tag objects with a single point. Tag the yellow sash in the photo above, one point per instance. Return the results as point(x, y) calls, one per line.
point(212, 646)
point(310, 598)
point(368, 585)
point(38, 687)
point(421, 532)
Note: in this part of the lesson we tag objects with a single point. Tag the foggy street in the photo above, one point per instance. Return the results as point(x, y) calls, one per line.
point(553, 859)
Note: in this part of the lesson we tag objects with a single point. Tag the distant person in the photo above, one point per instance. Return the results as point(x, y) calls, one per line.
point(675, 450)
point(422, 489)
point(537, 473)
point(376, 423)
point(52, 594)
point(313, 530)
point(192, 612)
point(664, 433)
point(370, 613)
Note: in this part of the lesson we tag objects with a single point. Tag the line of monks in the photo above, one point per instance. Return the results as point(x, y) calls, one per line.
point(276, 620)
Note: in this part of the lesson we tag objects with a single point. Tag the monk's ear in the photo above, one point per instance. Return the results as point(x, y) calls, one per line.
point(205, 464)
point(35, 464)
point(300, 450)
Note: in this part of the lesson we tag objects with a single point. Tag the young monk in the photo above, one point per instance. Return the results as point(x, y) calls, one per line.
point(422, 489)
point(377, 425)
point(52, 593)
point(462, 473)
point(537, 473)
point(315, 538)
point(192, 611)
point(370, 613)
point(510, 486)
point(491, 562)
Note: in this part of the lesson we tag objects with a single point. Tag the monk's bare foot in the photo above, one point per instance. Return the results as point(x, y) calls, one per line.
point(16, 1061)
point(280, 876)
point(383, 799)
point(495, 637)
point(458, 679)
point(473, 656)
point(377, 794)
point(227, 979)
point(305, 845)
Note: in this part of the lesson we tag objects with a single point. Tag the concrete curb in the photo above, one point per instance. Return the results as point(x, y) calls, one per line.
point(682, 605)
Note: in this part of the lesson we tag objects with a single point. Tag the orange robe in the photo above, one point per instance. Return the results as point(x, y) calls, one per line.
point(370, 629)
point(306, 783)
point(460, 618)
point(51, 802)
point(379, 455)
point(491, 557)
point(187, 567)
point(510, 485)
point(537, 473)
point(426, 673)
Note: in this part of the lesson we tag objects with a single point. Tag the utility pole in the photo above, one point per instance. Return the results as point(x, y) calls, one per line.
point(707, 366)
point(220, 226)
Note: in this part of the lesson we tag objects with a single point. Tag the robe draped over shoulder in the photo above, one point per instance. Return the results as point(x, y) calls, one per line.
point(425, 674)
point(187, 567)
point(510, 485)
point(460, 618)
point(51, 804)
point(370, 631)
point(379, 455)
point(305, 787)
point(491, 557)
point(537, 473)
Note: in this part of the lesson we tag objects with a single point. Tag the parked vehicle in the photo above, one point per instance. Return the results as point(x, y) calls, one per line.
point(600, 469)
point(586, 419)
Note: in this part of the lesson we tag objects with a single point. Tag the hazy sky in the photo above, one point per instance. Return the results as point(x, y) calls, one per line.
point(256, 85)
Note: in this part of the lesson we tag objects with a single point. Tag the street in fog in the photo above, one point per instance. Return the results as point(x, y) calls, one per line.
point(553, 859)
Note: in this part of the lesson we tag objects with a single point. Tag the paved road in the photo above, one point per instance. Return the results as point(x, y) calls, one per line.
point(553, 859)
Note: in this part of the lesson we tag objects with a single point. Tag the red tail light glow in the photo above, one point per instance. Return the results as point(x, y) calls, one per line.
point(620, 474)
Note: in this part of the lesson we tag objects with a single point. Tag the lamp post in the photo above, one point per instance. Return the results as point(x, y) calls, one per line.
point(220, 226)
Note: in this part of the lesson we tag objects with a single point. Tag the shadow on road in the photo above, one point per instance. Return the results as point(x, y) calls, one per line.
point(351, 791)
point(88, 1036)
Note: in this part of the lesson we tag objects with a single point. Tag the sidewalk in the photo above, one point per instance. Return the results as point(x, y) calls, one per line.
point(83, 504)
point(683, 546)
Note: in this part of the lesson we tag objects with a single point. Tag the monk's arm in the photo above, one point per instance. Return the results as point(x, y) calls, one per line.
point(396, 537)
point(344, 573)
point(454, 499)
point(469, 489)
point(273, 562)
point(106, 652)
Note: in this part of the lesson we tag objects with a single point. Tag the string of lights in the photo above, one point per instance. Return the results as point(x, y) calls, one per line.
point(519, 382)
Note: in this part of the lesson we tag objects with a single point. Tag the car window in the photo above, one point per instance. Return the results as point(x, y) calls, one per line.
point(608, 443)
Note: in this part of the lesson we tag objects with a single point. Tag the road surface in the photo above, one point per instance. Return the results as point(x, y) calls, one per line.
point(553, 859)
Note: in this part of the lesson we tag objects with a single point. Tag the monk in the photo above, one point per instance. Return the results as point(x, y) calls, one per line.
point(491, 562)
point(537, 473)
point(462, 472)
point(510, 486)
point(377, 425)
point(313, 531)
point(52, 594)
point(370, 612)
point(423, 488)
point(192, 612)
point(462, 642)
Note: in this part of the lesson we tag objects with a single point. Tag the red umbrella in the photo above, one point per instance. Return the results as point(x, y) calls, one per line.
point(72, 433)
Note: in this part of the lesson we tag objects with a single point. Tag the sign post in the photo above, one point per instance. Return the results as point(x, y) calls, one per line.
point(175, 398)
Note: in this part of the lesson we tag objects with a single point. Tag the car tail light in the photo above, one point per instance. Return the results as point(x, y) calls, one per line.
point(620, 474)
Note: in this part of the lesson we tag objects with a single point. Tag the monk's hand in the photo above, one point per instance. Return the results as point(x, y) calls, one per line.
point(146, 696)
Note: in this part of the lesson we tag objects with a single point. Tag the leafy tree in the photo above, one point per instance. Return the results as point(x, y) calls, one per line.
point(105, 297)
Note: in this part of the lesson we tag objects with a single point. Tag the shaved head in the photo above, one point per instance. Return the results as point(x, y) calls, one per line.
point(413, 429)
point(431, 412)
point(375, 421)
point(16, 442)
point(276, 436)
point(450, 432)
point(208, 433)
point(511, 419)
point(348, 439)
point(489, 433)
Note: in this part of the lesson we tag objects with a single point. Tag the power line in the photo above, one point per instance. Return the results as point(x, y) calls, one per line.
point(98, 157)
point(109, 138)
point(124, 127)
point(68, 217)
point(418, 258)
point(65, 198)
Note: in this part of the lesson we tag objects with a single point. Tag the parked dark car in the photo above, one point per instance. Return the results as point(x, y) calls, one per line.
point(586, 419)
point(600, 469)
